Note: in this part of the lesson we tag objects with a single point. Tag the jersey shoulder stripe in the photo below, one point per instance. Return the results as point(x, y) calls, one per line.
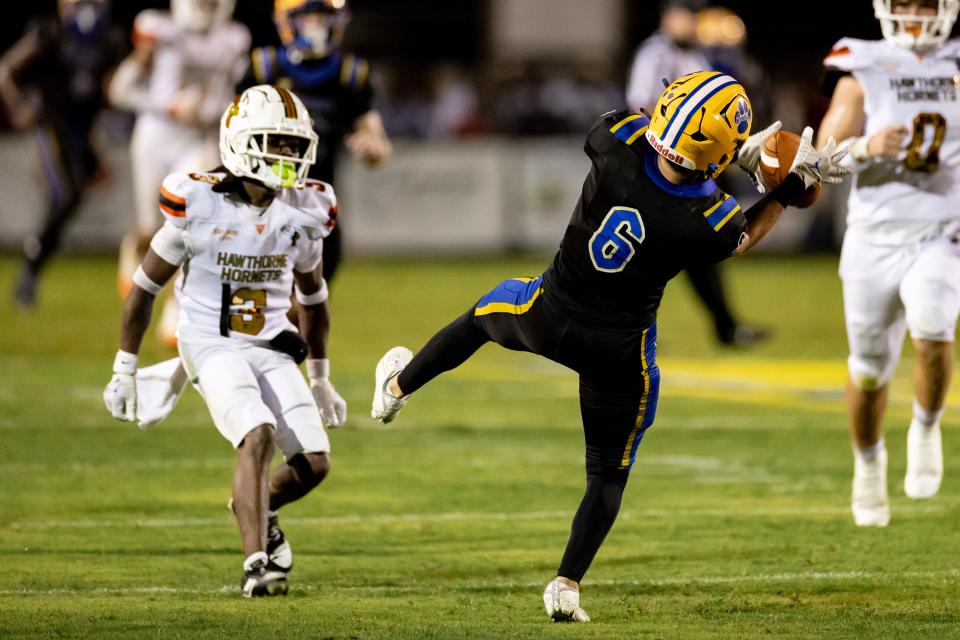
point(172, 204)
point(720, 213)
point(629, 129)
point(852, 54)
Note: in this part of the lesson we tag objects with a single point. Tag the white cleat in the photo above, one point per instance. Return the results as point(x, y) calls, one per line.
point(924, 461)
point(563, 603)
point(870, 505)
point(385, 404)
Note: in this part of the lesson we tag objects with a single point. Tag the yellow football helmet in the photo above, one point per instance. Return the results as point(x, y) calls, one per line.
point(701, 121)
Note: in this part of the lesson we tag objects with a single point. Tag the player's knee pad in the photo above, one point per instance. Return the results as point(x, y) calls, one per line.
point(934, 315)
point(870, 372)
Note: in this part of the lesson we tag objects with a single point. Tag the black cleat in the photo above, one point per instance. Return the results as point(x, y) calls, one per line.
point(260, 580)
point(25, 293)
point(278, 549)
point(743, 335)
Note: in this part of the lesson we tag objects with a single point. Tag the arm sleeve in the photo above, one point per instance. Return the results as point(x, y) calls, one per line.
point(168, 243)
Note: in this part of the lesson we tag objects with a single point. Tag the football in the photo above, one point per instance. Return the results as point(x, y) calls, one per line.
point(775, 162)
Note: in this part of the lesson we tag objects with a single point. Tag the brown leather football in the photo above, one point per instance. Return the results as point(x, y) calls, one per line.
point(775, 162)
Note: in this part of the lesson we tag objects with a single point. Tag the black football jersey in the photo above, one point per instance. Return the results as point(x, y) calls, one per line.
point(632, 230)
point(335, 90)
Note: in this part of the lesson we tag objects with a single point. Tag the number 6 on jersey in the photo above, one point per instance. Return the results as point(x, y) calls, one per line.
point(610, 247)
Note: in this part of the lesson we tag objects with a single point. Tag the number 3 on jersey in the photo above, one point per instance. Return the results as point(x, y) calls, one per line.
point(611, 247)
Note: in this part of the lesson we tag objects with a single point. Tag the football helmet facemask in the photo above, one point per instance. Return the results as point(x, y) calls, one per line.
point(930, 30)
point(247, 131)
point(700, 122)
point(201, 15)
point(311, 28)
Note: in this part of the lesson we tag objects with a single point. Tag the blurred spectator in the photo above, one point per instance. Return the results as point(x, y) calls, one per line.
point(52, 80)
point(178, 79)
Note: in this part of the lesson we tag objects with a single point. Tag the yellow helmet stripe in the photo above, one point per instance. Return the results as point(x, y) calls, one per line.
point(691, 104)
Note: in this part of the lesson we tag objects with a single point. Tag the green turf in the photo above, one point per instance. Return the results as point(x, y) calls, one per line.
point(448, 523)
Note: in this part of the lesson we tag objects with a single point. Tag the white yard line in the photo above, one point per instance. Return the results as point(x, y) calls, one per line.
point(776, 578)
point(942, 504)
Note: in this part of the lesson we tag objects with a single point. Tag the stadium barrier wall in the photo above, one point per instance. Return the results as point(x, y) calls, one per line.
point(480, 196)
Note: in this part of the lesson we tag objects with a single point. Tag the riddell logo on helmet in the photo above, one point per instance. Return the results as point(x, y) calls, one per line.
point(665, 151)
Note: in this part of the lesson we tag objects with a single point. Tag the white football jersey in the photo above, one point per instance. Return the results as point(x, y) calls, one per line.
point(896, 199)
point(237, 276)
point(194, 67)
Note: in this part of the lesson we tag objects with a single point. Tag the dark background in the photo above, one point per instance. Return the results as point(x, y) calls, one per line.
point(788, 38)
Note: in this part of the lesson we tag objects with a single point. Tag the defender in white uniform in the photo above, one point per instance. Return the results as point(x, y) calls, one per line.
point(247, 238)
point(897, 102)
point(184, 67)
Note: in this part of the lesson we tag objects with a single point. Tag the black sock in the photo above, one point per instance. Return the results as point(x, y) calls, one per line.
point(448, 349)
point(598, 510)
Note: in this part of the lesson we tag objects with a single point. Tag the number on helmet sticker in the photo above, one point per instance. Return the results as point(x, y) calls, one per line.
point(930, 161)
point(612, 246)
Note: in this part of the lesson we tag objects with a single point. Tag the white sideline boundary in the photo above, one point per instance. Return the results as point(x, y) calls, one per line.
point(776, 578)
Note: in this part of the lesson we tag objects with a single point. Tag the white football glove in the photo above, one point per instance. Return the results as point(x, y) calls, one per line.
point(333, 408)
point(749, 157)
point(816, 167)
point(120, 394)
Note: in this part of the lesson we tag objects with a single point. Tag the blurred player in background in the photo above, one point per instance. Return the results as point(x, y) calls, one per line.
point(248, 232)
point(649, 208)
point(53, 79)
point(183, 69)
point(896, 101)
point(671, 52)
point(334, 85)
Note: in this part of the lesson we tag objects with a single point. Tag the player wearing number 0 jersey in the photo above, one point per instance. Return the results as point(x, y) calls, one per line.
point(246, 238)
point(649, 208)
point(897, 102)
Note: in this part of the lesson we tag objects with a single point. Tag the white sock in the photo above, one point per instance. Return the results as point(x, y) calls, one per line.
point(869, 454)
point(926, 418)
point(253, 557)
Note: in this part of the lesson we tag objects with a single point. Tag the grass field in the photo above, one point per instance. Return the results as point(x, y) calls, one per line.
point(448, 523)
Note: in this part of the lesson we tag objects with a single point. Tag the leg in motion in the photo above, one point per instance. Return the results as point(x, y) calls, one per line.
point(931, 379)
point(250, 500)
point(399, 373)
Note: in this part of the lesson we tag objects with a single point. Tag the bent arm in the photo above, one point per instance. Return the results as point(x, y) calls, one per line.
point(845, 117)
point(139, 305)
point(369, 140)
point(764, 214)
point(313, 319)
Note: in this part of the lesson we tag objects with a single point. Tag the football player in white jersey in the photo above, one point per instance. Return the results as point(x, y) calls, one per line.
point(183, 69)
point(247, 235)
point(897, 102)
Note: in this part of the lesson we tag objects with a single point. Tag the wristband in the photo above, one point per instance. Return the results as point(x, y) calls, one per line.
point(142, 280)
point(318, 368)
point(125, 363)
point(317, 297)
point(789, 190)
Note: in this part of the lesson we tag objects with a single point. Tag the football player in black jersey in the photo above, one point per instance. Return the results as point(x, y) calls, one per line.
point(335, 87)
point(63, 60)
point(649, 207)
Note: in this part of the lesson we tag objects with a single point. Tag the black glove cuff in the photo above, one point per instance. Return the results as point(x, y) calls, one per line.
point(789, 190)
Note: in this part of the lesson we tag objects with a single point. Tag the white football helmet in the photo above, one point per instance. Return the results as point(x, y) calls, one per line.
point(201, 15)
point(933, 30)
point(246, 126)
